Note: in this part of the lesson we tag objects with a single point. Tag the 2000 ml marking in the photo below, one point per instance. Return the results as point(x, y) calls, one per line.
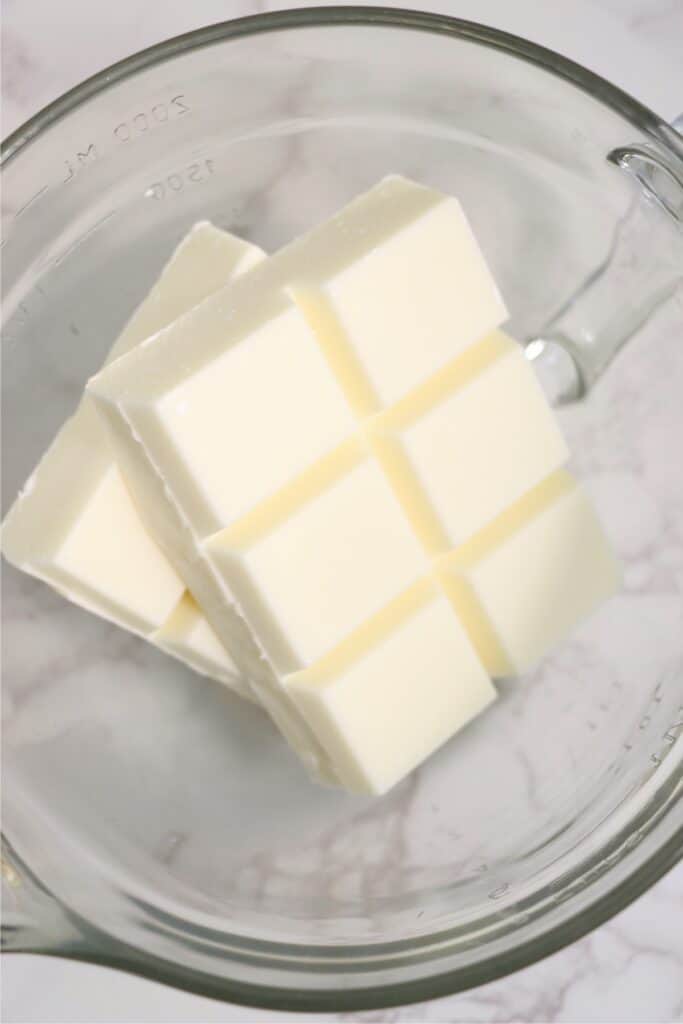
point(135, 126)
point(160, 113)
point(86, 156)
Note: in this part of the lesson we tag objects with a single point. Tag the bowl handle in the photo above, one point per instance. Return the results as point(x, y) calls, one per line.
point(639, 273)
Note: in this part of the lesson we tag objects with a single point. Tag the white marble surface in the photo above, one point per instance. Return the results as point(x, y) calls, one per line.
point(630, 969)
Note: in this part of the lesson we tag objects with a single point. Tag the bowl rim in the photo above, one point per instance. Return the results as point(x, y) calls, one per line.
point(394, 17)
point(106, 951)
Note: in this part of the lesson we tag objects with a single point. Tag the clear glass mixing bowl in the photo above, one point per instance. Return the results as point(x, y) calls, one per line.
point(155, 822)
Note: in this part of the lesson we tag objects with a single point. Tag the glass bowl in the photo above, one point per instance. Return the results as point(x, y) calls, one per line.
point(152, 820)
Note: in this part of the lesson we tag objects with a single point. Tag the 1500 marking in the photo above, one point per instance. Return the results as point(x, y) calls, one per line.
point(193, 174)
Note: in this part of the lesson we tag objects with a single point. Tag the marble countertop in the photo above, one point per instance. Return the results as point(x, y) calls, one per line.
point(631, 969)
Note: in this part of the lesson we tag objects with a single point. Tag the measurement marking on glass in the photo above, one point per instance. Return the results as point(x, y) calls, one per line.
point(193, 174)
point(22, 313)
point(83, 157)
point(143, 120)
point(30, 201)
point(670, 736)
point(125, 131)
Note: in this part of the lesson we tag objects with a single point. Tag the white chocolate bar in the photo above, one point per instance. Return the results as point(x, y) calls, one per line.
point(320, 449)
point(395, 692)
point(524, 581)
point(74, 524)
point(237, 422)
